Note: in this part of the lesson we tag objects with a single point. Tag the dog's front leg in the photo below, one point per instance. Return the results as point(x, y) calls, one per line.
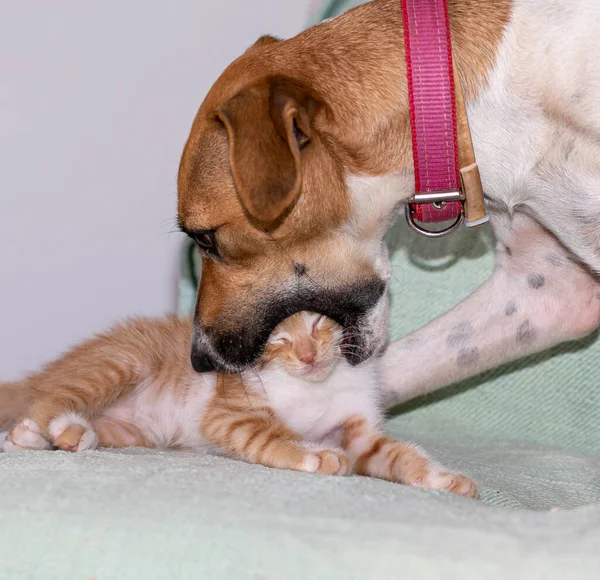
point(538, 296)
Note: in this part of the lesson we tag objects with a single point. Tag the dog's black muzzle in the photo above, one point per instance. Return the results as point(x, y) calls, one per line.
point(243, 341)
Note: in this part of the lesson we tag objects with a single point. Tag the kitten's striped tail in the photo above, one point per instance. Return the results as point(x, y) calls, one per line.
point(14, 400)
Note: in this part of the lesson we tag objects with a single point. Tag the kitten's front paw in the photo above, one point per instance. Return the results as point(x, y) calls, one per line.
point(327, 462)
point(72, 432)
point(24, 436)
point(438, 478)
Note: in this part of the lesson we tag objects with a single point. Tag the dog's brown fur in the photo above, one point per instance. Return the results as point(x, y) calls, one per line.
point(278, 133)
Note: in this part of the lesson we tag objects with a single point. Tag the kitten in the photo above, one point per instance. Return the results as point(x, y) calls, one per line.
point(303, 407)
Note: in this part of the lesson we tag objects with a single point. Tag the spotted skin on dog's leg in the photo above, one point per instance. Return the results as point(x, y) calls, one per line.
point(568, 311)
point(510, 308)
point(526, 333)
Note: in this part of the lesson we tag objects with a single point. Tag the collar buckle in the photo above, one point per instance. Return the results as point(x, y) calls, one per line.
point(438, 201)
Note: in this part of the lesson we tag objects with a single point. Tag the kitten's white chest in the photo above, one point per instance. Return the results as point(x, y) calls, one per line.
point(314, 409)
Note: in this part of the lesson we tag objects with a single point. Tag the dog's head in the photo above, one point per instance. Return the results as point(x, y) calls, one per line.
point(294, 169)
point(272, 188)
point(268, 187)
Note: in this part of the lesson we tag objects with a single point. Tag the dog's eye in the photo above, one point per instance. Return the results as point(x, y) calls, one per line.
point(206, 241)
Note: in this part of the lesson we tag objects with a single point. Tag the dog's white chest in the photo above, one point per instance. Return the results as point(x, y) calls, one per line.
point(508, 126)
point(536, 125)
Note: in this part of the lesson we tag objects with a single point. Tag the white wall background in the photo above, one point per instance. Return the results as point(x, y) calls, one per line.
point(96, 101)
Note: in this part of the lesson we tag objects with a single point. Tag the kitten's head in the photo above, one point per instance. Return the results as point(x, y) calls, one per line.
point(306, 345)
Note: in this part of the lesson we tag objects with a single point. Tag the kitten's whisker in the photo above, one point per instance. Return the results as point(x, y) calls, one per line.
point(222, 389)
point(351, 329)
point(354, 352)
point(353, 348)
point(253, 368)
point(245, 391)
point(351, 345)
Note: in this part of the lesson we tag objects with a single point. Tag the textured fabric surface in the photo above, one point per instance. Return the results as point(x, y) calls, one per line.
point(149, 515)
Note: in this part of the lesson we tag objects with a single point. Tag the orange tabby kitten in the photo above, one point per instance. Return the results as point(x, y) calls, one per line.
point(303, 407)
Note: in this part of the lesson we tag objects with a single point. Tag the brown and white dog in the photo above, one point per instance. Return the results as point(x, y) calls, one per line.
point(300, 158)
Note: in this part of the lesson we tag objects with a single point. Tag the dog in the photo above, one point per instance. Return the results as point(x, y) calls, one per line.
point(299, 160)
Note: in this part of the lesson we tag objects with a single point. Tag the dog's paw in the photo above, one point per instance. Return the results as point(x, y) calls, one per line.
point(438, 478)
point(24, 436)
point(72, 432)
point(327, 462)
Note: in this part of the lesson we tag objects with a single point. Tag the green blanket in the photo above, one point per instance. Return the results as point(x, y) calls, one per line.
point(146, 515)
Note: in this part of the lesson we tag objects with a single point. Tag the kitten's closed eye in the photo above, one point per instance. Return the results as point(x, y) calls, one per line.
point(318, 322)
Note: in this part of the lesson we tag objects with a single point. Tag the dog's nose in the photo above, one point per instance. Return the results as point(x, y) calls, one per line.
point(200, 362)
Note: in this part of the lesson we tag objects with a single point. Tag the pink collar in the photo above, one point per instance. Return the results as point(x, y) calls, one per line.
point(439, 194)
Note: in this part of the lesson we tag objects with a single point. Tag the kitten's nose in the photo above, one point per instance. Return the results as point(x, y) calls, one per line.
point(308, 358)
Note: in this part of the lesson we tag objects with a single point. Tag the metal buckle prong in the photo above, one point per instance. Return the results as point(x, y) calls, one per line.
point(437, 196)
point(439, 199)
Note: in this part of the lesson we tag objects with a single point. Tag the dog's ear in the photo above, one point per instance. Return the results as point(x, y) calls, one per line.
point(268, 124)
